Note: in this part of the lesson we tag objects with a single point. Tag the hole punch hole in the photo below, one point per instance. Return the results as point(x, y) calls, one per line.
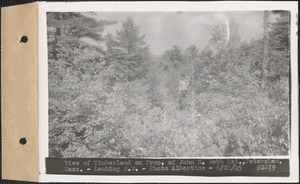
point(24, 39)
point(23, 141)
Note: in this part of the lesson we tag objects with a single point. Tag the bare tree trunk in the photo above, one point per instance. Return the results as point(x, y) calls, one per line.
point(193, 94)
point(266, 50)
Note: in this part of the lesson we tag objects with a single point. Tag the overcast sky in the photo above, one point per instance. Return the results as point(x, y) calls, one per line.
point(164, 29)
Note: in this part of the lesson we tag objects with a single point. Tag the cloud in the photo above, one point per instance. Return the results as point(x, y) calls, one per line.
point(164, 29)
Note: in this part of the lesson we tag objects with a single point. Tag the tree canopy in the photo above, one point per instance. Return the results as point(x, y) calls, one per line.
point(109, 96)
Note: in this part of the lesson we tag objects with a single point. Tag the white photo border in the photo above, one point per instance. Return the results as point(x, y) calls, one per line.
point(152, 6)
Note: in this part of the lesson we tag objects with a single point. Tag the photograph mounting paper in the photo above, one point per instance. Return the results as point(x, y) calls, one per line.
point(167, 94)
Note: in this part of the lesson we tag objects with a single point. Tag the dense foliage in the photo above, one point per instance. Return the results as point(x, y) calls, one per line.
point(110, 97)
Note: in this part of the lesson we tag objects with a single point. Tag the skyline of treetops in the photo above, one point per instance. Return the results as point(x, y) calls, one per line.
point(110, 96)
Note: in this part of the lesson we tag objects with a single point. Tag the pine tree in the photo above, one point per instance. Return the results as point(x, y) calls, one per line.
point(266, 50)
point(73, 64)
point(128, 37)
point(193, 51)
point(132, 53)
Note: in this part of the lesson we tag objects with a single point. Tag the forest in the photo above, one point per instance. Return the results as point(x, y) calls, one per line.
point(117, 99)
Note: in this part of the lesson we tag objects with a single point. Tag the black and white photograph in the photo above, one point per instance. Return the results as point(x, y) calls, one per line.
point(169, 84)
